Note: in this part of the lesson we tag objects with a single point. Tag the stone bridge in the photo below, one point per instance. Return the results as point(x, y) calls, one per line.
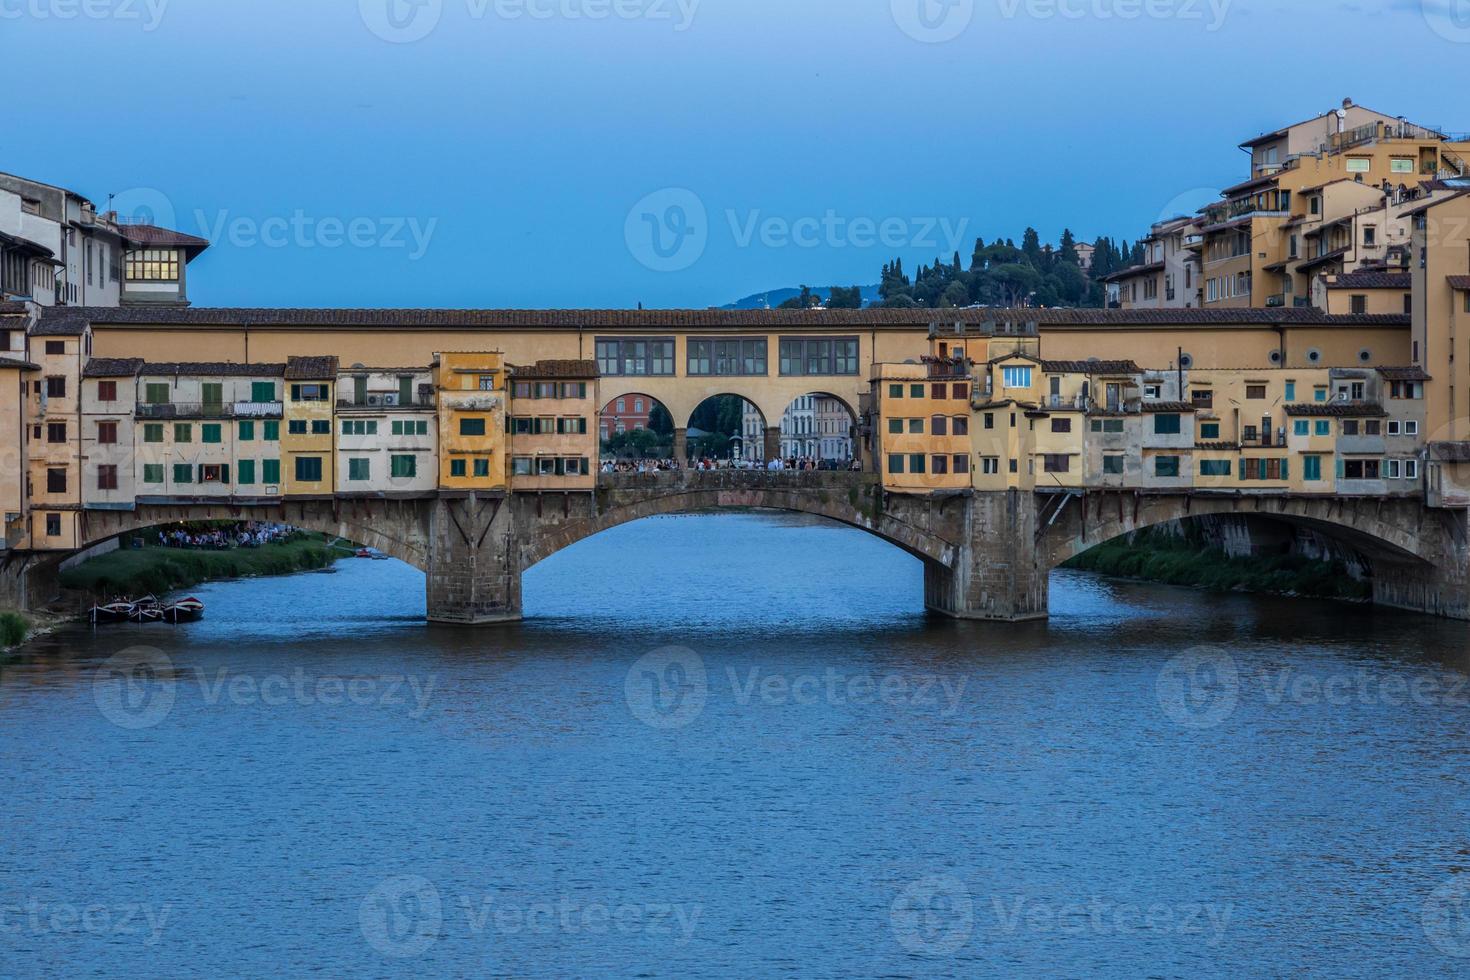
point(986, 555)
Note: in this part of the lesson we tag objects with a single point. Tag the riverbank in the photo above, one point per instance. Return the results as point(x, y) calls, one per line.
point(156, 570)
point(1173, 560)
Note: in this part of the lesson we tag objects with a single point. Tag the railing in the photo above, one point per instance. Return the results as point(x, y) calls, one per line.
point(694, 480)
point(209, 410)
point(378, 402)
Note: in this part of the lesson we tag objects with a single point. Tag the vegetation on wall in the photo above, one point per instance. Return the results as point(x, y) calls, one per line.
point(139, 571)
point(13, 630)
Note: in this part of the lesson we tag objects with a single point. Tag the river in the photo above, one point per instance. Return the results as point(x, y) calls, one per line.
point(736, 745)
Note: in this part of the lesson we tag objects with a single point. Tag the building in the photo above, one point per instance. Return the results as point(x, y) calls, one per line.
point(15, 395)
point(625, 413)
point(552, 436)
point(471, 391)
point(1168, 277)
point(308, 455)
point(921, 428)
point(57, 250)
point(386, 428)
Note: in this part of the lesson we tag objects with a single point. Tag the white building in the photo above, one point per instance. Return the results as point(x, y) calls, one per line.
point(386, 427)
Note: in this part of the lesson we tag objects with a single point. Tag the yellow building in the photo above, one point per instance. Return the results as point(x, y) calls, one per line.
point(53, 412)
point(552, 432)
point(308, 459)
point(922, 424)
point(471, 395)
point(15, 373)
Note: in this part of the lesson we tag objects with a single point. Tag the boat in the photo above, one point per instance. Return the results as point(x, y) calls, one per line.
point(146, 614)
point(189, 610)
point(364, 553)
point(116, 611)
point(372, 553)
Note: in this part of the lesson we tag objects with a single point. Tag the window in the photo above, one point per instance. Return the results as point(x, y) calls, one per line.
point(155, 393)
point(1166, 466)
point(727, 356)
point(636, 356)
point(1109, 426)
point(1312, 468)
point(571, 426)
point(961, 463)
point(960, 425)
point(1291, 391)
point(246, 475)
point(895, 427)
point(262, 391)
point(1359, 304)
point(457, 467)
point(211, 432)
point(1061, 425)
point(296, 427)
point(321, 427)
point(272, 431)
point(1359, 165)
point(1016, 377)
point(939, 425)
point(939, 392)
point(482, 467)
point(522, 466)
point(183, 432)
point(152, 265)
point(183, 473)
point(917, 463)
point(989, 420)
point(486, 382)
point(359, 469)
point(1411, 469)
point(1323, 427)
point(1214, 467)
point(1057, 463)
point(247, 430)
point(1202, 398)
point(1167, 425)
point(916, 391)
point(214, 473)
point(1301, 427)
point(107, 433)
point(309, 469)
point(472, 427)
point(107, 477)
point(1370, 237)
point(895, 391)
point(404, 467)
point(359, 427)
point(153, 432)
point(1113, 465)
point(107, 391)
point(990, 465)
point(55, 387)
point(1360, 469)
point(1209, 431)
point(1401, 165)
point(53, 525)
point(152, 472)
point(56, 432)
point(1319, 394)
point(1255, 392)
point(961, 392)
point(939, 465)
point(1391, 469)
point(212, 393)
point(55, 347)
point(309, 393)
point(270, 472)
point(1411, 427)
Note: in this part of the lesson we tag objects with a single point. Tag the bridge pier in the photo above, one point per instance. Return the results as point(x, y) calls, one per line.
point(474, 574)
point(681, 446)
point(996, 574)
point(773, 443)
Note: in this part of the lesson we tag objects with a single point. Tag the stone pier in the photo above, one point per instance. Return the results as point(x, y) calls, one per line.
point(995, 574)
point(474, 573)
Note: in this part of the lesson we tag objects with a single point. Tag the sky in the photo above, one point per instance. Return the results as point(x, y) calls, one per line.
point(674, 153)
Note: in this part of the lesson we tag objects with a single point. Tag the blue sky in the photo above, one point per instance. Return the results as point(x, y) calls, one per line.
point(673, 152)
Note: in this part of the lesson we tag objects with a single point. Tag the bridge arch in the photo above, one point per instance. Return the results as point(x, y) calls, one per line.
point(917, 527)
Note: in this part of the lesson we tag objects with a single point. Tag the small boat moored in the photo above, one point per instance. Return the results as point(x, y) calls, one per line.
point(189, 610)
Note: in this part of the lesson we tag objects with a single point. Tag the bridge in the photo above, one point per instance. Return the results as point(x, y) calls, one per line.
point(986, 555)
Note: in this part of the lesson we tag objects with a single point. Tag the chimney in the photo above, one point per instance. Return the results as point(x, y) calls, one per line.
point(1347, 103)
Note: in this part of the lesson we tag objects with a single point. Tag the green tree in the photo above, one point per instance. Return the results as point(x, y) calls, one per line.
point(850, 298)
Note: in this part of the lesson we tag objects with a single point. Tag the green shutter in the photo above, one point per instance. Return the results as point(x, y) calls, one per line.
point(1286, 469)
point(211, 433)
point(270, 471)
point(183, 432)
point(262, 391)
point(247, 472)
point(183, 473)
point(152, 472)
point(153, 432)
point(247, 431)
point(272, 432)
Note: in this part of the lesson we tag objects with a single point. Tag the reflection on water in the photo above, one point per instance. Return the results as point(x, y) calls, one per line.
point(737, 745)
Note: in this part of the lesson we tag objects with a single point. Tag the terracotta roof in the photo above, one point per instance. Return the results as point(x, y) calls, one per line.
point(1134, 270)
point(151, 236)
point(72, 320)
point(1404, 374)
point(320, 368)
point(1246, 185)
point(112, 367)
point(1458, 282)
point(9, 362)
point(1323, 259)
point(12, 307)
point(1450, 452)
point(225, 369)
point(1415, 212)
point(1185, 407)
point(558, 369)
point(1338, 410)
point(1372, 280)
point(1217, 446)
point(1092, 366)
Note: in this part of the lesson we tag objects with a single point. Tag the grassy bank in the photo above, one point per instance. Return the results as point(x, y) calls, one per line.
point(13, 630)
point(1180, 561)
point(158, 570)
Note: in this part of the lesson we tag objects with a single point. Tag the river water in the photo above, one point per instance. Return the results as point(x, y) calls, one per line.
point(735, 745)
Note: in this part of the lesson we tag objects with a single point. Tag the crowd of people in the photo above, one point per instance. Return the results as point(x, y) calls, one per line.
point(797, 463)
point(246, 534)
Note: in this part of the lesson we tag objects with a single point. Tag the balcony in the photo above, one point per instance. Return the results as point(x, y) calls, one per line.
point(209, 410)
point(1077, 403)
point(378, 402)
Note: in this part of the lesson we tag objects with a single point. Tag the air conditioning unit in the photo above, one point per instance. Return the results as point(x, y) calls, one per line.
point(390, 400)
point(374, 399)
